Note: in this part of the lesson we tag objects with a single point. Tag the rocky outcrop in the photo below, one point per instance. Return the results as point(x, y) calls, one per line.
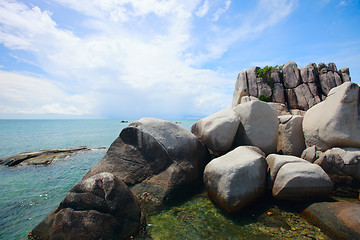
point(258, 126)
point(99, 207)
point(291, 137)
point(155, 157)
point(341, 164)
point(294, 178)
point(42, 157)
point(236, 178)
point(339, 220)
point(218, 130)
point(297, 88)
point(335, 121)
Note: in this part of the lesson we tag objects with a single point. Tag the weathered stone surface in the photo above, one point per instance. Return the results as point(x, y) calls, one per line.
point(275, 162)
point(345, 74)
point(309, 74)
point(245, 99)
point(301, 180)
point(263, 88)
point(157, 157)
point(258, 126)
point(245, 85)
point(291, 75)
point(310, 154)
point(335, 121)
point(291, 139)
point(341, 165)
point(278, 93)
point(297, 112)
point(329, 79)
point(236, 178)
point(281, 109)
point(339, 220)
point(291, 97)
point(314, 91)
point(218, 130)
point(304, 97)
point(100, 207)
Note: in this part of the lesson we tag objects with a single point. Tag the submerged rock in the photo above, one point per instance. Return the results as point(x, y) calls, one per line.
point(339, 220)
point(236, 178)
point(42, 157)
point(99, 207)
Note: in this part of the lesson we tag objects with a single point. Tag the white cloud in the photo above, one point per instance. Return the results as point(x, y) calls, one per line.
point(221, 11)
point(34, 95)
point(136, 59)
point(203, 9)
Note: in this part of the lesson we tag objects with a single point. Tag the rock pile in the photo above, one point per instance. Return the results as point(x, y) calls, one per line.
point(290, 87)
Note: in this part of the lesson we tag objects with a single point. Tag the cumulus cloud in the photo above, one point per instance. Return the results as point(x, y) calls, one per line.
point(135, 58)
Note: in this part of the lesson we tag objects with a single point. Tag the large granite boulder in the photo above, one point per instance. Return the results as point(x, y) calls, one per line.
point(155, 157)
point(236, 178)
point(335, 121)
point(291, 137)
point(218, 130)
point(99, 207)
point(301, 180)
point(246, 85)
point(339, 220)
point(258, 126)
point(291, 75)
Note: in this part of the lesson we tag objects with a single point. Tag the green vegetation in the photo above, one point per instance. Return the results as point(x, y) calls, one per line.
point(264, 98)
point(265, 73)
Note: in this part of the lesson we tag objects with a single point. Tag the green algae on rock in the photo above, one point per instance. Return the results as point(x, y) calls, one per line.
point(199, 218)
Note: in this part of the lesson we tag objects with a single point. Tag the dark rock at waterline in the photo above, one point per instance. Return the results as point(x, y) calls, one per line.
point(156, 158)
point(99, 207)
point(42, 157)
point(339, 220)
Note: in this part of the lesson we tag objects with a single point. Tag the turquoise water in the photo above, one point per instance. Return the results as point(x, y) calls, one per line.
point(28, 194)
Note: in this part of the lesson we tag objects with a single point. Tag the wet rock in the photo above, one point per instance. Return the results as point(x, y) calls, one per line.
point(339, 220)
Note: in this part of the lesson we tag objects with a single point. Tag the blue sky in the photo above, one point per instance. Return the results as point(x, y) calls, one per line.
point(166, 59)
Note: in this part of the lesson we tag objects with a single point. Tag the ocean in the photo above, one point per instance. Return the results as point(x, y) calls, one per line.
point(29, 193)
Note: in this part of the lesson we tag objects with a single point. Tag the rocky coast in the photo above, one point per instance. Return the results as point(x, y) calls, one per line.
point(294, 149)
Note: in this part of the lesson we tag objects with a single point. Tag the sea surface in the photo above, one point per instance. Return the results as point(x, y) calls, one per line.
point(29, 193)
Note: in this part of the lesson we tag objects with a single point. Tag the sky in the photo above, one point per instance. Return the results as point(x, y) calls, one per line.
point(127, 59)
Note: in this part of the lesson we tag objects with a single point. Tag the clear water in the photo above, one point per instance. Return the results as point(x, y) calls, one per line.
point(29, 194)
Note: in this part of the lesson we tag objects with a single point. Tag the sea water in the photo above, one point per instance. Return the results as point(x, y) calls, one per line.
point(29, 193)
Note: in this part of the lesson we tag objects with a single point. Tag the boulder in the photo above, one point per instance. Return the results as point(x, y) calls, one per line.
point(100, 207)
point(263, 88)
point(291, 139)
point(309, 74)
point(339, 220)
point(304, 97)
point(291, 75)
point(311, 154)
point(291, 97)
point(301, 180)
point(341, 165)
point(258, 126)
point(245, 99)
point(345, 74)
point(281, 109)
point(335, 121)
point(275, 162)
point(236, 179)
point(218, 130)
point(278, 93)
point(246, 85)
point(155, 157)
